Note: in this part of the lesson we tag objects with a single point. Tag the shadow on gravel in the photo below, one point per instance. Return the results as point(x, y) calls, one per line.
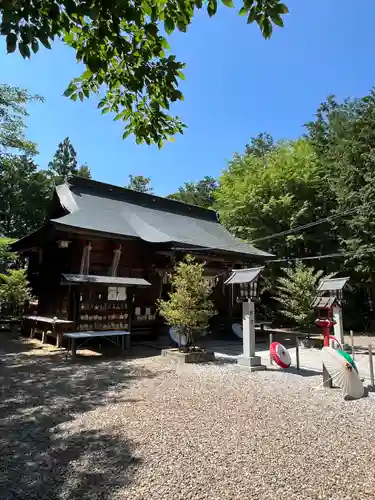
point(39, 460)
point(302, 372)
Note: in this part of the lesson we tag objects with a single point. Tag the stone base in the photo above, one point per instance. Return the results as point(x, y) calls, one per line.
point(252, 364)
point(188, 357)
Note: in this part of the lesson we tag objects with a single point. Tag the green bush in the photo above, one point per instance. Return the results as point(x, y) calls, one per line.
point(297, 291)
point(189, 307)
point(6, 256)
point(14, 290)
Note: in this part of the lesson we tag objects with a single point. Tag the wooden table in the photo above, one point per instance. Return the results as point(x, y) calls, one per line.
point(56, 323)
point(74, 336)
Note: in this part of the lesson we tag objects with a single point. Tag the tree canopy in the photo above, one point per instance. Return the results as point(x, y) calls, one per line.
point(124, 49)
point(256, 200)
point(343, 135)
point(260, 145)
point(201, 193)
point(13, 113)
point(64, 163)
point(25, 189)
point(139, 183)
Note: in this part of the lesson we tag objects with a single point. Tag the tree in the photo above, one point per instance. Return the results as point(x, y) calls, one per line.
point(13, 112)
point(139, 183)
point(260, 145)
point(189, 307)
point(256, 202)
point(25, 192)
point(296, 292)
point(201, 193)
point(124, 50)
point(6, 256)
point(343, 135)
point(84, 171)
point(64, 162)
point(14, 290)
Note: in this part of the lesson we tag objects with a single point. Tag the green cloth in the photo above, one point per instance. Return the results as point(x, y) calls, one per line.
point(348, 358)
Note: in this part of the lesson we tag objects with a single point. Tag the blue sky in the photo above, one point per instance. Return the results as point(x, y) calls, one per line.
point(237, 85)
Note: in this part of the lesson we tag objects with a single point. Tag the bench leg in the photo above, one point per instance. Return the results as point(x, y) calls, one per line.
point(74, 348)
point(44, 337)
point(58, 339)
point(32, 332)
point(127, 342)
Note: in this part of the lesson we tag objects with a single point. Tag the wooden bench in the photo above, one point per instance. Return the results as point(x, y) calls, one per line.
point(74, 336)
point(55, 323)
point(262, 324)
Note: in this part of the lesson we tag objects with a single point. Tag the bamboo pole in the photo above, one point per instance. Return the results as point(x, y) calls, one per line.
point(352, 342)
point(270, 342)
point(297, 353)
point(371, 365)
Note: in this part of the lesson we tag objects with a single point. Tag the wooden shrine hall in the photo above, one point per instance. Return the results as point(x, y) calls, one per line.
point(102, 258)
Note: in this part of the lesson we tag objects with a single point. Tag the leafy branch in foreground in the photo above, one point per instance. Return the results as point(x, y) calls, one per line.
point(122, 45)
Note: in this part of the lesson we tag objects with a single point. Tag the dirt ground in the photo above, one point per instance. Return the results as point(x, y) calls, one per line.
point(138, 428)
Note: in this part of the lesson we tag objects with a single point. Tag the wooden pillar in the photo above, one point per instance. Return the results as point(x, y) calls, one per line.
point(85, 260)
point(116, 260)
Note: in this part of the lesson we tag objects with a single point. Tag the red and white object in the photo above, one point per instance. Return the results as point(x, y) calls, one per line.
point(280, 355)
point(334, 342)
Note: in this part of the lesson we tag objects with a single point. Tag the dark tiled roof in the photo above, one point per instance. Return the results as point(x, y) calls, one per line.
point(244, 275)
point(331, 284)
point(106, 280)
point(96, 206)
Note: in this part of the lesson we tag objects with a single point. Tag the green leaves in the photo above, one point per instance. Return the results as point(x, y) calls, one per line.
point(281, 8)
point(139, 183)
point(189, 306)
point(277, 19)
point(296, 291)
point(273, 188)
point(24, 50)
point(11, 42)
point(266, 28)
point(212, 7)
point(35, 46)
point(120, 44)
point(14, 289)
point(169, 25)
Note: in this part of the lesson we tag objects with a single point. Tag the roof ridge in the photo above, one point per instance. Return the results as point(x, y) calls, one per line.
point(136, 197)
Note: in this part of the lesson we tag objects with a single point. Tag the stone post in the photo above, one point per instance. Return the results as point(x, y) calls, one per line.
point(338, 328)
point(248, 358)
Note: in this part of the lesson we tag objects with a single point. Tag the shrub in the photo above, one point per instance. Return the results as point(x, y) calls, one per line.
point(189, 307)
point(14, 290)
point(297, 291)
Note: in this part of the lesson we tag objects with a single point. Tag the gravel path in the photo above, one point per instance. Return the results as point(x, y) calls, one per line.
point(143, 429)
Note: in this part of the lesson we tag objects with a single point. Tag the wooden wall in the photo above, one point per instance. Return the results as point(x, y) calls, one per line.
point(138, 259)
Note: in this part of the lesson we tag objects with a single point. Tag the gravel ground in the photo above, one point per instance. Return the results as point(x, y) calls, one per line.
point(144, 429)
